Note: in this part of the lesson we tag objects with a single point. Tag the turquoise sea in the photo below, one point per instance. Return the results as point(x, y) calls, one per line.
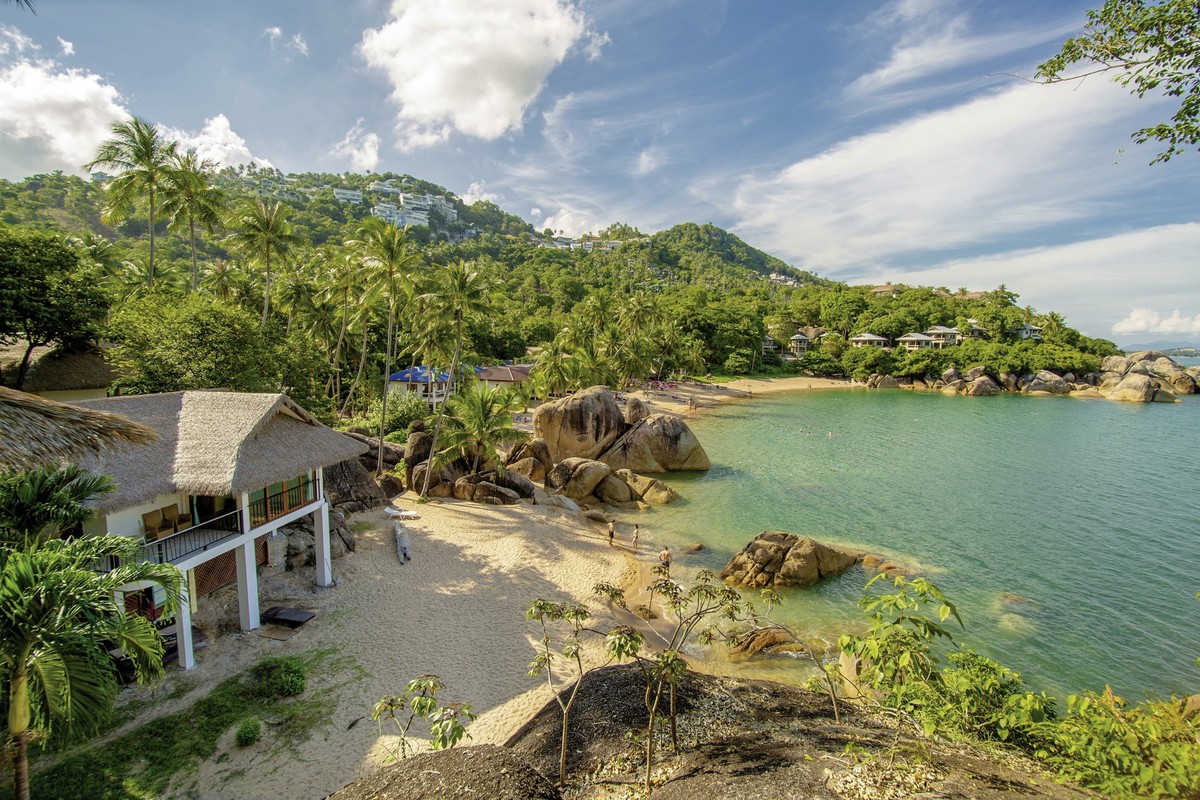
point(1067, 531)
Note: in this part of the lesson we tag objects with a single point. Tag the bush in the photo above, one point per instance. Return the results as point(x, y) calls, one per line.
point(279, 677)
point(248, 732)
point(738, 362)
point(861, 362)
point(821, 364)
point(404, 408)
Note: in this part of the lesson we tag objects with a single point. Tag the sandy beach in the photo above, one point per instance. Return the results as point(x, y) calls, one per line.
point(456, 610)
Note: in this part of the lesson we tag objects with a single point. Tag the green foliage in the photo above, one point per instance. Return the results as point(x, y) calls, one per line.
point(861, 363)
point(447, 722)
point(248, 732)
point(404, 408)
point(918, 363)
point(1154, 47)
point(1151, 750)
point(738, 362)
point(285, 676)
point(820, 364)
point(47, 295)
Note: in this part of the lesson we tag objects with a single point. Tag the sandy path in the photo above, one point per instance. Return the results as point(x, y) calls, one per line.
point(456, 610)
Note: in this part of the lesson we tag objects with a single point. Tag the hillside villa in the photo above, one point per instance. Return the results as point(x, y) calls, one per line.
point(227, 471)
point(423, 381)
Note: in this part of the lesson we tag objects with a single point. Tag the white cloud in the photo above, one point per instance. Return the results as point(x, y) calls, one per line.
point(535, 212)
point(478, 191)
point(469, 65)
point(648, 161)
point(1010, 162)
point(1146, 320)
point(574, 221)
point(360, 147)
point(67, 48)
point(297, 43)
point(216, 141)
point(50, 117)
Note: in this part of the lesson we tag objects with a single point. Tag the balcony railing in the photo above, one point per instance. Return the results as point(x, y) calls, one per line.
point(178, 546)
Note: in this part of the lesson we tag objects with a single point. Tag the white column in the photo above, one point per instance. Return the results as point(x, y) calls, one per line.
point(247, 583)
point(244, 508)
point(324, 576)
point(183, 630)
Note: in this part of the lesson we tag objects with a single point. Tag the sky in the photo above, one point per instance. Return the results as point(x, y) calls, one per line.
point(867, 142)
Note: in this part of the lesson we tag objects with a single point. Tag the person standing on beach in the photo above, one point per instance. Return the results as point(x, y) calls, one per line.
point(635, 536)
point(612, 530)
point(664, 558)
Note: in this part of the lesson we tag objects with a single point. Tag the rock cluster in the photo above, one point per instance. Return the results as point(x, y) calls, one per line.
point(1141, 377)
point(590, 425)
point(776, 558)
point(586, 481)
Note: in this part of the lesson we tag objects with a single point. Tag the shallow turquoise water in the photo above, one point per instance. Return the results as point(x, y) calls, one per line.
point(1090, 510)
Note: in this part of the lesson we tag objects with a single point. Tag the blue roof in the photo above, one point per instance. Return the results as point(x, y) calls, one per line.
point(418, 375)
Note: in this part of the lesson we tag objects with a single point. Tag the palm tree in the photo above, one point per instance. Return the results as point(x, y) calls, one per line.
point(39, 505)
point(391, 266)
point(463, 291)
point(144, 159)
point(263, 231)
point(479, 419)
point(189, 199)
point(222, 278)
point(58, 619)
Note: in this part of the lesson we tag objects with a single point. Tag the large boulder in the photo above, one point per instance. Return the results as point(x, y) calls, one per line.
point(416, 451)
point(537, 450)
point(529, 468)
point(577, 478)
point(635, 410)
point(1174, 374)
point(981, 387)
point(350, 488)
point(1133, 388)
point(975, 373)
point(1008, 381)
point(490, 493)
point(515, 481)
point(1049, 383)
point(775, 558)
point(647, 489)
point(1117, 364)
point(583, 425)
point(659, 443)
point(613, 490)
point(1146, 355)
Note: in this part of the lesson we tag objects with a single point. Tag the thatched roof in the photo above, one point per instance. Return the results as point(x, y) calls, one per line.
point(216, 443)
point(35, 432)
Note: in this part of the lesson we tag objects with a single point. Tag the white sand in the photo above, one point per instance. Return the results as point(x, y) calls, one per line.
point(456, 610)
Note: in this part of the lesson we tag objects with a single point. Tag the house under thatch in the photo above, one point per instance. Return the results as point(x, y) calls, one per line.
point(226, 471)
point(57, 374)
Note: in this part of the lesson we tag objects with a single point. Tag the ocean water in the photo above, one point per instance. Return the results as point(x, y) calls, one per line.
point(1066, 531)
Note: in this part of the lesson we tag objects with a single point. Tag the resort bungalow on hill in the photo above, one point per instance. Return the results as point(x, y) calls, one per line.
point(1026, 331)
point(915, 341)
point(504, 377)
point(799, 344)
point(868, 340)
point(226, 472)
point(425, 382)
point(942, 336)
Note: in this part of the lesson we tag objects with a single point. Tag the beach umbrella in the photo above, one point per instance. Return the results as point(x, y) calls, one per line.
point(36, 432)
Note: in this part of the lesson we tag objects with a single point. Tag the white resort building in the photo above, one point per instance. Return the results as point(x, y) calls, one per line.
point(227, 470)
point(868, 340)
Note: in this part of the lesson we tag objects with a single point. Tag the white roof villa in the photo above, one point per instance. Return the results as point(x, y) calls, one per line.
point(915, 341)
point(227, 470)
point(868, 340)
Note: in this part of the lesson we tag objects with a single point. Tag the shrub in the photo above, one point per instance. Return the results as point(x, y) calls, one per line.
point(738, 362)
point(279, 677)
point(822, 364)
point(248, 732)
point(861, 362)
point(403, 409)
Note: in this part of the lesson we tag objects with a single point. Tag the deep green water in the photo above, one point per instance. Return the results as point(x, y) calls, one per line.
point(1089, 510)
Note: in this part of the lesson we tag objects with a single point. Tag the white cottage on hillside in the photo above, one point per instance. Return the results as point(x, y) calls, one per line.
point(228, 469)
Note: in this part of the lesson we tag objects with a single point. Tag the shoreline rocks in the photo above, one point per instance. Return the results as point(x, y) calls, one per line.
point(778, 558)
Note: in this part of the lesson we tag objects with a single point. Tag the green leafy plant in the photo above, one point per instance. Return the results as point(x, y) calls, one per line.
point(447, 722)
point(279, 677)
point(248, 732)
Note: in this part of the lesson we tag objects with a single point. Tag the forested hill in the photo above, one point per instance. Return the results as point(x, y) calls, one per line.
point(685, 254)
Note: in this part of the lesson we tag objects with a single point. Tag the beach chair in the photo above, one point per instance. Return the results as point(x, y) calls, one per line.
point(156, 526)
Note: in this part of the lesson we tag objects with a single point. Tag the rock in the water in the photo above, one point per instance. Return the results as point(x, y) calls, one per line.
point(583, 425)
point(659, 443)
point(1046, 381)
point(775, 558)
point(577, 478)
point(1117, 364)
point(1133, 388)
point(982, 386)
point(614, 490)
point(950, 375)
point(769, 639)
point(975, 373)
point(887, 382)
point(651, 490)
point(1008, 381)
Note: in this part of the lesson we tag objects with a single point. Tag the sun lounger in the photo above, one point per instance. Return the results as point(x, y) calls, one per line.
point(401, 513)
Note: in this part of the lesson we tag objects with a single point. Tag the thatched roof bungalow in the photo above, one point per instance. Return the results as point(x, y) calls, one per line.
point(226, 471)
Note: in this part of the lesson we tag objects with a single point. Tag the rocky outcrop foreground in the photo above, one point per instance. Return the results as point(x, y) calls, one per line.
point(1143, 377)
point(776, 559)
point(739, 739)
point(590, 425)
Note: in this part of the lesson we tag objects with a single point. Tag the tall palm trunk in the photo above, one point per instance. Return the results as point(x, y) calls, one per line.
point(336, 376)
point(387, 374)
point(150, 270)
point(195, 268)
point(362, 365)
point(18, 729)
point(437, 426)
point(267, 291)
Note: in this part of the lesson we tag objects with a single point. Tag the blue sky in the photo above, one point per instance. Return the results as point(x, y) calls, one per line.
point(864, 141)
